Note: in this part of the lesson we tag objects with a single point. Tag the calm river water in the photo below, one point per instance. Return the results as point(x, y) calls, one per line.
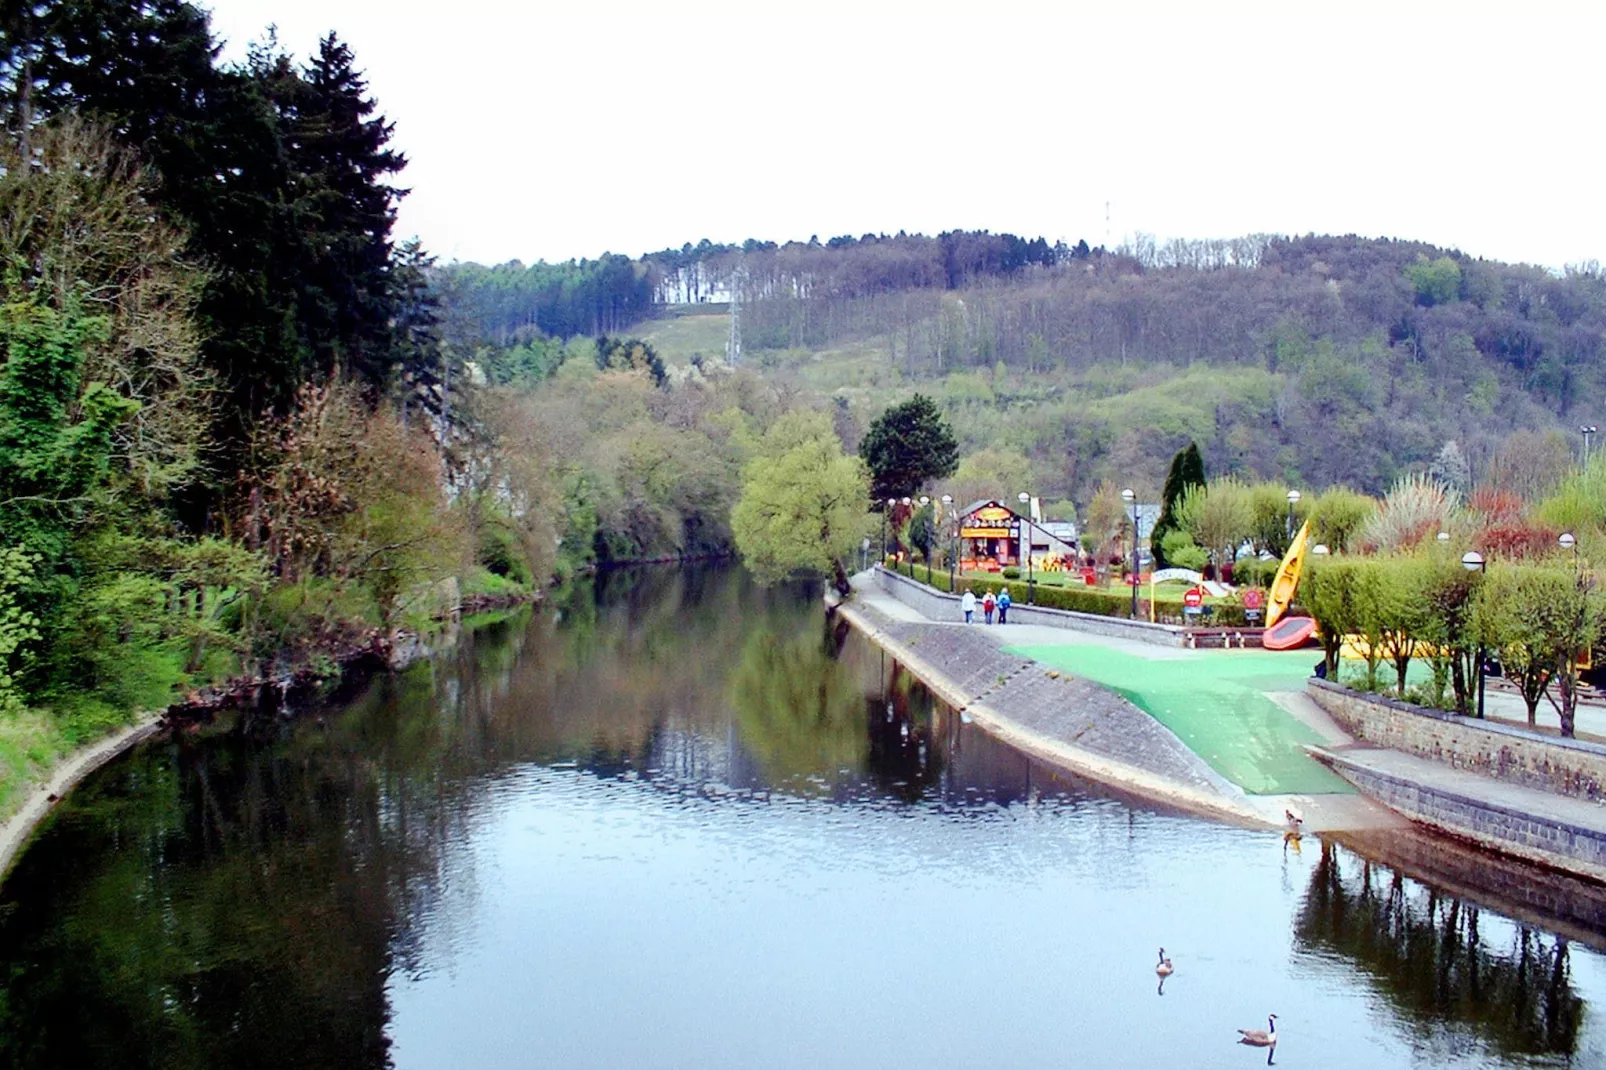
point(673, 822)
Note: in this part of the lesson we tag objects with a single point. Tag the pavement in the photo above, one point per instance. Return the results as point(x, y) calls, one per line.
point(1502, 705)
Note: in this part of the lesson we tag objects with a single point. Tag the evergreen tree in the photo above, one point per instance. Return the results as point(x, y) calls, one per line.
point(1187, 472)
point(908, 446)
point(339, 152)
point(279, 177)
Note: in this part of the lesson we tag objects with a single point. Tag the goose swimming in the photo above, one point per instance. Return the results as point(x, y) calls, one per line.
point(1260, 1038)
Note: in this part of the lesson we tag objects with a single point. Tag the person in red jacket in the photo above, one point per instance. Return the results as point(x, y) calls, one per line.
point(988, 604)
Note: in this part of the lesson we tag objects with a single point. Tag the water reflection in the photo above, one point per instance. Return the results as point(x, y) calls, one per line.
point(1439, 961)
point(643, 811)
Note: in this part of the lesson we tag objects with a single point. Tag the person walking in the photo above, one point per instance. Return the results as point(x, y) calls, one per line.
point(1004, 602)
point(988, 604)
point(968, 604)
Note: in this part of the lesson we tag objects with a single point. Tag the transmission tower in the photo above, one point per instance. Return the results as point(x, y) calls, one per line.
point(733, 345)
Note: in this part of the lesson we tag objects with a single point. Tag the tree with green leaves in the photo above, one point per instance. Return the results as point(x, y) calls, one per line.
point(1578, 617)
point(803, 504)
point(1328, 592)
point(906, 447)
point(1520, 613)
point(1337, 515)
point(1403, 613)
point(1377, 612)
point(923, 530)
point(1187, 472)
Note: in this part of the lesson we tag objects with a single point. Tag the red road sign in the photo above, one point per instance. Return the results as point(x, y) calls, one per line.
point(1253, 598)
point(1193, 598)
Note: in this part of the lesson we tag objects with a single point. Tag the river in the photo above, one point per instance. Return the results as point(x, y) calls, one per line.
point(673, 820)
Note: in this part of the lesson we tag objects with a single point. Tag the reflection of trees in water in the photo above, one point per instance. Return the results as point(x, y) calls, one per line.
point(902, 758)
point(227, 905)
point(239, 899)
point(1426, 953)
point(800, 718)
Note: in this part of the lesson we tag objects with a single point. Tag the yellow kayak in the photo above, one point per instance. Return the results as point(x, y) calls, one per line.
point(1287, 579)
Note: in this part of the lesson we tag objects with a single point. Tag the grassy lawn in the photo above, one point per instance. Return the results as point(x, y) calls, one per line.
point(30, 744)
point(678, 338)
point(1215, 702)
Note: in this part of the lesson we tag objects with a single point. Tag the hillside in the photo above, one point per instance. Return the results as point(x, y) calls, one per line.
point(1314, 360)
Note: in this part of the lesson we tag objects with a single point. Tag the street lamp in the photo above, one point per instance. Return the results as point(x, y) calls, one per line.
point(1443, 537)
point(1131, 499)
point(1473, 561)
point(1293, 500)
point(890, 503)
point(904, 549)
point(953, 524)
point(1320, 550)
point(1031, 576)
point(1568, 542)
point(1588, 431)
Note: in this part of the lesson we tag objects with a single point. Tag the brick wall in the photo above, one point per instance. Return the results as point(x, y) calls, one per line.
point(941, 606)
point(1506, 752)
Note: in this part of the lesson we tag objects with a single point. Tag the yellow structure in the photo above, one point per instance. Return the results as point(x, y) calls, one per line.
point(1287, 579)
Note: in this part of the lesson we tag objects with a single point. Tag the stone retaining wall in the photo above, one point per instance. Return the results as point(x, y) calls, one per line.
point(1506, 752)
point(1552, 842)
point(941, 606)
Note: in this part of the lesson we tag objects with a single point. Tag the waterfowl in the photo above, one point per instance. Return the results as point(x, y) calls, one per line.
point(1164, 968)
point(1260, 1038)
point(1294, 825)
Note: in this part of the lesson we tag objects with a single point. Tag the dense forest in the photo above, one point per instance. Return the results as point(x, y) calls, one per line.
point(1315, 360)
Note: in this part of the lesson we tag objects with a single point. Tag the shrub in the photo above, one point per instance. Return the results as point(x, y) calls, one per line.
point(1417, 507)
point(1076, 600)
point(1253, 572)
point(1012, 573)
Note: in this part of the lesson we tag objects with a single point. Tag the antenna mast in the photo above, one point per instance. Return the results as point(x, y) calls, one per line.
point(733, 344)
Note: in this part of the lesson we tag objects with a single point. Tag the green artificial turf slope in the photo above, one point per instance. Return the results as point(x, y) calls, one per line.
point(1215, 703)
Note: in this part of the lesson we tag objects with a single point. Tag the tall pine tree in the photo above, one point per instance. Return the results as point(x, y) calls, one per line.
point(1187, 471)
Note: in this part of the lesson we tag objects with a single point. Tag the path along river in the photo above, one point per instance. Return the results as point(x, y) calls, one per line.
point(675, 821)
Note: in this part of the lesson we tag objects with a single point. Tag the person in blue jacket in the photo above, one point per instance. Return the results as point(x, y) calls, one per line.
point(1004, 602)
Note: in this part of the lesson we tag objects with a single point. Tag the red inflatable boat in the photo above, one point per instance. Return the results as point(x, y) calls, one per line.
point(1288, 633)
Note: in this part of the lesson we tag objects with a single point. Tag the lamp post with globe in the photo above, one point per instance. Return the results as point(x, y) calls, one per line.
point(1130, 497)
point(1026, 517)
point(1473, 561)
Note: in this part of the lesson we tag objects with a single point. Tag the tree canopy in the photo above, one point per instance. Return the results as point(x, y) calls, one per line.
point(803, 503)
point(906, 447)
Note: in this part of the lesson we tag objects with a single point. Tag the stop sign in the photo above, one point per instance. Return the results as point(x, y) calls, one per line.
point(1253, 599)
point(1193, 598)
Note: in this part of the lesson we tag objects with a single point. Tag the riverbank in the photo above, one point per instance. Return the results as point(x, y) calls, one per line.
point(51, 783)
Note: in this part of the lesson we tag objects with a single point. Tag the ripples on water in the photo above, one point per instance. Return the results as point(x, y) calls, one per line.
point(677, 824)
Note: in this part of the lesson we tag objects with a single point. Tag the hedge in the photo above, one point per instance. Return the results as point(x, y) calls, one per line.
point(1077, 601)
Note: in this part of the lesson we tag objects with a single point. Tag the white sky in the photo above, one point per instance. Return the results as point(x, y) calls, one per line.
point(537, 131)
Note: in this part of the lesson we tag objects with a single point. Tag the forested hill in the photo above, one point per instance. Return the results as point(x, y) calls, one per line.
point(1319, 359)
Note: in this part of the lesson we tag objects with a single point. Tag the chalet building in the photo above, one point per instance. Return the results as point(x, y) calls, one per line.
point(993, 536)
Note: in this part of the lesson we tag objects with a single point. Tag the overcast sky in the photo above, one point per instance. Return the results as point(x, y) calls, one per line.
point(535, 133)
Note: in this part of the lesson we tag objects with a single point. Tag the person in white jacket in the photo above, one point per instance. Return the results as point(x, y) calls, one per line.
point(968, 604)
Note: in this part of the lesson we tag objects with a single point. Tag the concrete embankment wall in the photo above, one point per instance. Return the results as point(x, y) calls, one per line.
point(1549, 840)
point(938, 605)
point(1506, 752)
